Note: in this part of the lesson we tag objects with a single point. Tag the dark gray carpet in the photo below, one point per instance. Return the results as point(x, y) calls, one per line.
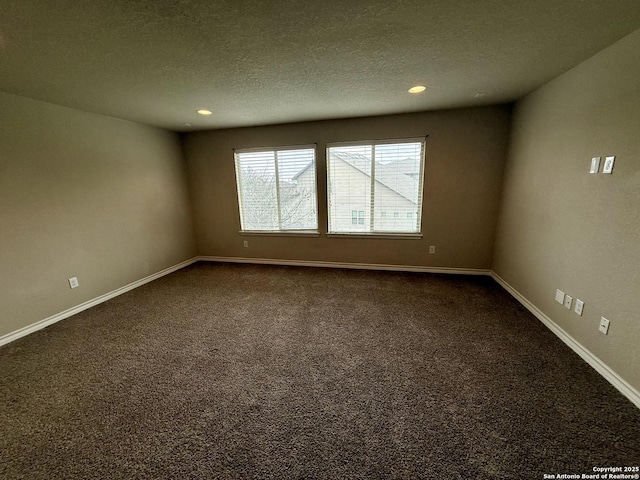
point(239, 371)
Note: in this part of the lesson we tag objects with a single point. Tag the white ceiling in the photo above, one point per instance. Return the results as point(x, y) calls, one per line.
point(256, 62)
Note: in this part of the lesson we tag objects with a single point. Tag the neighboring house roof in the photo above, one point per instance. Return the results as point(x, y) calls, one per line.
point(405, 184)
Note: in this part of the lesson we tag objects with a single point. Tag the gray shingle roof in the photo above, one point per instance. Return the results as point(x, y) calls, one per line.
point(400, 176)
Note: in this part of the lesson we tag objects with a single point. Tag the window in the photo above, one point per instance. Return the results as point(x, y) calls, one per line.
point(277, 189)
point(365, 180)
point(357, 217)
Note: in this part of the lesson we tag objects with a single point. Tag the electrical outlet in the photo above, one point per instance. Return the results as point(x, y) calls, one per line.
point(579, 306)
point(568, 299)
point(245, 244)
point(73, 282)
point(432, 249)
point(604, 325)
point(560, 297)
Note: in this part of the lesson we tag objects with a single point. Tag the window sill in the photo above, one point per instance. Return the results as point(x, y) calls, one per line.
point(402, 236)
point(280, 233)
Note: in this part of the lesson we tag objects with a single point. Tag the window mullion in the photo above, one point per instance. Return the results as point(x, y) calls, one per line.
point(373, 186)
point(278, 191)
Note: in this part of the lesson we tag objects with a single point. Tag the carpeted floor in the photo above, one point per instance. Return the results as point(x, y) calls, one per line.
point(243, 371)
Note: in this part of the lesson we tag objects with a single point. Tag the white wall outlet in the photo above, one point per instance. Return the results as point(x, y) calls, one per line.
point(608, 164)
point(579, 306)
point(604, 325)
point(432, 249)
point(73, 282)
point(245, 244)
point(568, 299)
point(560, 297)
point(595, 165)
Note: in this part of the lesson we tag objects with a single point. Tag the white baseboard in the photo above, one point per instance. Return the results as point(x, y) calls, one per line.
point(10, 337)
point(602, 368)
point(355, 266)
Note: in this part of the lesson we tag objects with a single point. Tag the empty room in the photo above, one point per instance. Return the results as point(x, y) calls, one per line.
point(326, 240)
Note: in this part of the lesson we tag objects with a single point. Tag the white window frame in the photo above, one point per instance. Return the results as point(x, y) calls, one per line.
point(311, 232)
point(378, 233)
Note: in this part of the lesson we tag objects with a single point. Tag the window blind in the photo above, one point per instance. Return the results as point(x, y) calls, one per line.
point(277, 189)
point(375, 187)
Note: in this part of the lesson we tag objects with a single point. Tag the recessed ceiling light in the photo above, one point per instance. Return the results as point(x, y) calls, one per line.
point(205, 112)
point(480, 94)
point(417, 89)
point(187, 124)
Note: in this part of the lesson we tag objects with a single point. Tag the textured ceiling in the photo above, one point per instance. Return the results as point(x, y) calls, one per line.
point(259, 62)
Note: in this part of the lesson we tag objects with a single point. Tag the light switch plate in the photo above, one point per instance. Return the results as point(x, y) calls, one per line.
point(595, 165)
point(604, 325)
point(579, 306)
point(608, 164)
point(560, 297)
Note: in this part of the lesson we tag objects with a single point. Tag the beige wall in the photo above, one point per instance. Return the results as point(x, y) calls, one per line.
point(561, 227)
point(464, 163)
point(83, 195)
